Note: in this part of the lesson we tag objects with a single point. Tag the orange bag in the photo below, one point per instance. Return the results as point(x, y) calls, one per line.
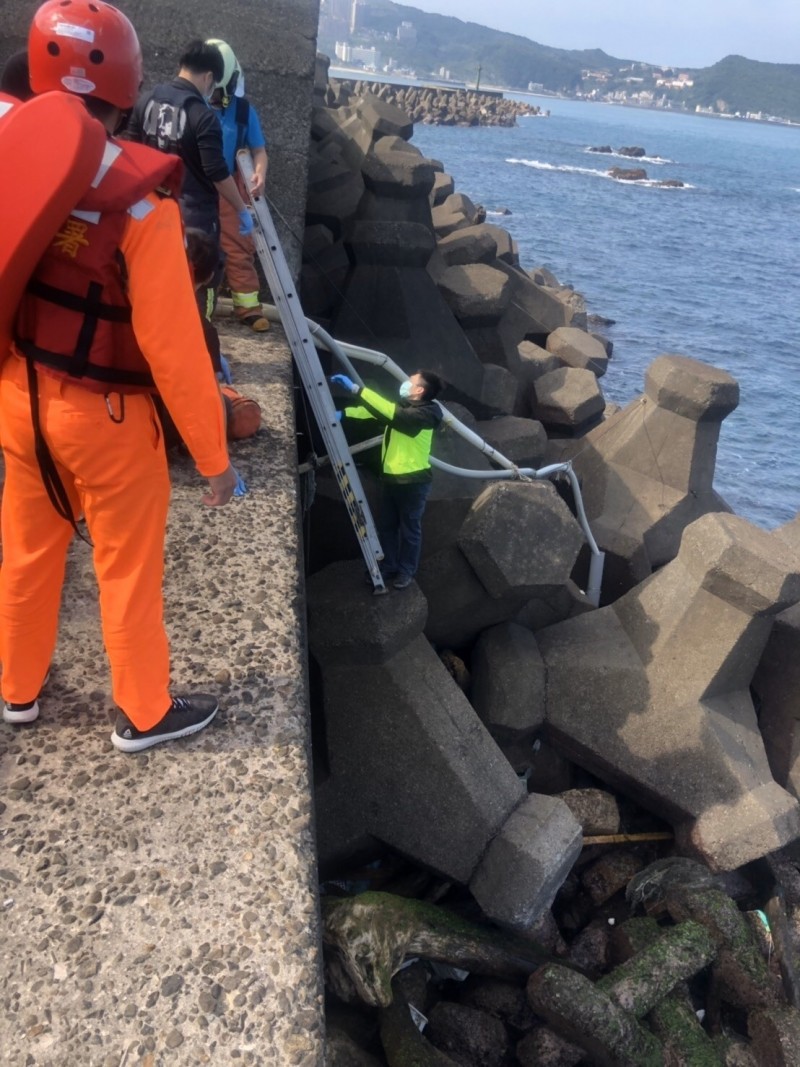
point(243, 414)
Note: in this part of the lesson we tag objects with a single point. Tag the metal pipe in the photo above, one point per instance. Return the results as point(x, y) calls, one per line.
point(342, 350)
point(324, 340)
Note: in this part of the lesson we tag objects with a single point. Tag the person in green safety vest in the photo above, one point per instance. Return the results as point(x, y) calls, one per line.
point(410, 423)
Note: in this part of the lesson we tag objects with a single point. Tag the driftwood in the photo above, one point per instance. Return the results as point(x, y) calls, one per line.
point(626, 839)
point(373, 933)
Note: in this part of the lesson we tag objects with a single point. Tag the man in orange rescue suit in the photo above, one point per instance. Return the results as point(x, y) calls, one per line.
point(108, 317)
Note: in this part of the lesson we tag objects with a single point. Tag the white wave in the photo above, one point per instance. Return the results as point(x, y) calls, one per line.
point(657, 161)
point(564, 168)
point(656, 183)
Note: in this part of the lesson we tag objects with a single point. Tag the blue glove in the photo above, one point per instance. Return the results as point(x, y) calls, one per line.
point(338, 416)
point(345, 383)
point(241, 488)
point(224, 373)
point(246, 226)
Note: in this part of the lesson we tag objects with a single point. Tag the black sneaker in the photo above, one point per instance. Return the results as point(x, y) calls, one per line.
point(19, 713)
point(402, 581)
point(186, 716)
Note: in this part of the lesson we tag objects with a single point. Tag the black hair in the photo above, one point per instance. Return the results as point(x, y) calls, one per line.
point(101, 109)
point(200, 58)
point(202, 253)
point(15, 79)
point(433, 384)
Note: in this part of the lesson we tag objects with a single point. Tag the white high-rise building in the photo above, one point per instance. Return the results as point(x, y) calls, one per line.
point(355, 12)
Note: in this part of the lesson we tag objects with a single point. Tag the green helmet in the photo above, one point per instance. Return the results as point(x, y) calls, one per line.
point(232, 72)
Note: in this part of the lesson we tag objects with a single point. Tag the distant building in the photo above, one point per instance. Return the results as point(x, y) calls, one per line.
point(355, 14)
point(351, 53)
point(683, 81)
point(338, 9)
point(406, 32)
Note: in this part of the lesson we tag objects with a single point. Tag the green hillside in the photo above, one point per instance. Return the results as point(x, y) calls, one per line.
point(746, 85)
point(735, 84)
point(505, 58)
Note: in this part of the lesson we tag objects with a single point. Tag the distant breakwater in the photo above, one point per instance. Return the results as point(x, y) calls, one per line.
point(435, 105)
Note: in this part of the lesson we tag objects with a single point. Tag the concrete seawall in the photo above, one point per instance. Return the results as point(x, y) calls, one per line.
point(161, 908)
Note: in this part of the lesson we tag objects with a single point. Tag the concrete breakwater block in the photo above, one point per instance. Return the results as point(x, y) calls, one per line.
point(652, 693)
point(412, 764)
point(520, 536)
point(648, 471)
point(577, 348)
point(508, 682)
point(568, 398)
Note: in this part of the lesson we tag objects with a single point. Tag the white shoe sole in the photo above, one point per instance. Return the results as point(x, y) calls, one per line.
point(139, 744)
point(17, 717)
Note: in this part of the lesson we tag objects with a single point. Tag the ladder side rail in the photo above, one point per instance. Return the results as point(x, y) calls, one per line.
point(316, 387)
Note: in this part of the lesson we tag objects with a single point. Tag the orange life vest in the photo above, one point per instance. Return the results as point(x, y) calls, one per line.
point(74, 321)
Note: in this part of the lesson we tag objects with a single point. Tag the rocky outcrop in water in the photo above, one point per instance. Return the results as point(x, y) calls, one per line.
point(634, 152)
point(639, 174)
point(632, 174)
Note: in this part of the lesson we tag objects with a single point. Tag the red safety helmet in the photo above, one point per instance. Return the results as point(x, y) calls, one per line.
point(86, 47)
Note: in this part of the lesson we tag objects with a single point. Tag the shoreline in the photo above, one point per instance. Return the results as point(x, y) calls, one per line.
point(365, 75)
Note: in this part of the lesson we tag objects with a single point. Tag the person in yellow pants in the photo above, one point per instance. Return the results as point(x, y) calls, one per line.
point(79, 430)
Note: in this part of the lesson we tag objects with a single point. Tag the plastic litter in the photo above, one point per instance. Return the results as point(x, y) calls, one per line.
point(420, 1021)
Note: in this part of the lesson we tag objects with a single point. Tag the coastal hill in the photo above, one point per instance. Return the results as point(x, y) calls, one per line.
point(426, 43)
point(747, 85)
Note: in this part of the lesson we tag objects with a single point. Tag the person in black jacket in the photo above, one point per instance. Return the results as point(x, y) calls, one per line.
point(405, 465)
point(175, 117)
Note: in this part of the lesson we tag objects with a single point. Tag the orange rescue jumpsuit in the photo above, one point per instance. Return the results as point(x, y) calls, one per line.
point(116, 476)
point(240, 269)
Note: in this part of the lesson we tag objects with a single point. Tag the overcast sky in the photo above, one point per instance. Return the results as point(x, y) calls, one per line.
point(690, 33)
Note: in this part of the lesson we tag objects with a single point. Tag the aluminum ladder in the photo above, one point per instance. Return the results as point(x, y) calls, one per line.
point(281, 284)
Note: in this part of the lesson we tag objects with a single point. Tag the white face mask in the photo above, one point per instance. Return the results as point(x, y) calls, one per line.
point(405, 390)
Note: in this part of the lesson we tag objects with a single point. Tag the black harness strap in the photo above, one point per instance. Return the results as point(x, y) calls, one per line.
point(93, 309)
point(110, 376)
point(83, 346)
point(54, 486)
point(108, 312)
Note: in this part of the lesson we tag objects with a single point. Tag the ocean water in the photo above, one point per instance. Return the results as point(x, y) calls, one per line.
point(709, 271)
